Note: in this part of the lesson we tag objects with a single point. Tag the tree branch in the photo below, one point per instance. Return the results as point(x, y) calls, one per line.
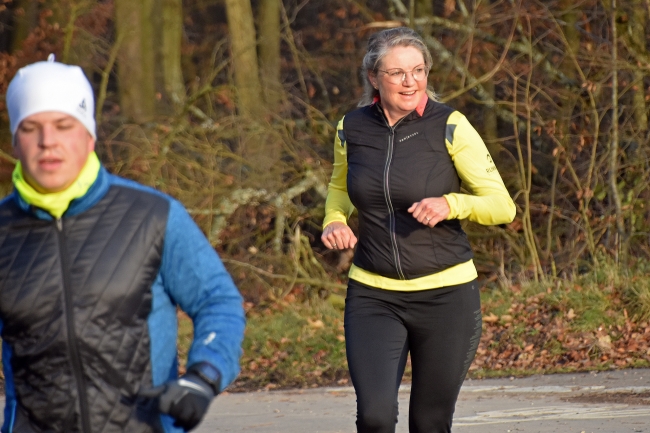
point(520, 47)
point(481, 93)
point(289, 278)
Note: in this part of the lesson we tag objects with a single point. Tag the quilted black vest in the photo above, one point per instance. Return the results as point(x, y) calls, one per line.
point(389, 169)
point(75, 295)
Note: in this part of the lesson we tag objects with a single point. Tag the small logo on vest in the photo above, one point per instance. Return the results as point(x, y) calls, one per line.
point(408, 136)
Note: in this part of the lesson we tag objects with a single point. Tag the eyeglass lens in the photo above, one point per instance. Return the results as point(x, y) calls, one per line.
point(397, 76)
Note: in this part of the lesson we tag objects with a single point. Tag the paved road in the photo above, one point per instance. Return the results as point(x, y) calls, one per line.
point(606, 402)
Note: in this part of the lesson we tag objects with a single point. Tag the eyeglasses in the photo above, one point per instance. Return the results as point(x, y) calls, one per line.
point(397, 76)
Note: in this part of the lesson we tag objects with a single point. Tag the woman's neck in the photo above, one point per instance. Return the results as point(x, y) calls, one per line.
point(390, 117)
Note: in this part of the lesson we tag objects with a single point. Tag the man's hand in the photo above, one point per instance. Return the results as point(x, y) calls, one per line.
point(430, 211)
point(338, 236)
point(185, 399)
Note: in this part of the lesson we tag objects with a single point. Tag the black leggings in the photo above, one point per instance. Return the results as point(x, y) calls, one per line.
point(441, 329)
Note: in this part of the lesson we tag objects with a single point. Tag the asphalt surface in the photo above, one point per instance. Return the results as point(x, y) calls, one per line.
point(605, 402)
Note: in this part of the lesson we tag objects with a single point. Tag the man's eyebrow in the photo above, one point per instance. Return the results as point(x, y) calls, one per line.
point(59, 120)
point(63, 119)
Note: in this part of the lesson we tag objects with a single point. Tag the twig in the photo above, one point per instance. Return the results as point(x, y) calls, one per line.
point(520, 47)
point(106, 72)
point(445, 55)
point(486, 76)
point(6, 156)
point(289, 278)
point(248, 196)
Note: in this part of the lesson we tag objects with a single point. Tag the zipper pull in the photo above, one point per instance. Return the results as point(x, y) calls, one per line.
point(59, 224)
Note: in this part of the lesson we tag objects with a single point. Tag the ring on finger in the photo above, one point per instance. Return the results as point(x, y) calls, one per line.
point(428, 219)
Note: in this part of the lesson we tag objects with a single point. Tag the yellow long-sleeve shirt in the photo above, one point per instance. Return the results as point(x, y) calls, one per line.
point(488, 201)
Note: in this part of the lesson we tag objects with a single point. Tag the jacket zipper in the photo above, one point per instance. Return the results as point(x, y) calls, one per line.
point(389, 203)
point(73, 348)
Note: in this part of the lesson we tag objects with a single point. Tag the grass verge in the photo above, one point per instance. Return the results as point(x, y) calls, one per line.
point(596, 321)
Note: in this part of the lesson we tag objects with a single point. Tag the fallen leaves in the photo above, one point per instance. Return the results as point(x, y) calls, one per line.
point(298, 346)
point(316, 324)
point(491, 318)
point(571, 314)
point(536, 336)
point(293, 346)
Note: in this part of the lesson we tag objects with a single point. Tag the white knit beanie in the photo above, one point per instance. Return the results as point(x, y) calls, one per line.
point(50, 86)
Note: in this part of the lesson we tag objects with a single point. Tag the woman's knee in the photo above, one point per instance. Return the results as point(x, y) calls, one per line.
point(437, 420)
point(376, 418)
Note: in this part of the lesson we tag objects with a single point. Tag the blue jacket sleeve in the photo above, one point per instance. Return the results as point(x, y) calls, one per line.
point(196, 279)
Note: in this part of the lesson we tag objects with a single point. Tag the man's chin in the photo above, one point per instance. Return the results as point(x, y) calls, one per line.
point(47, 186)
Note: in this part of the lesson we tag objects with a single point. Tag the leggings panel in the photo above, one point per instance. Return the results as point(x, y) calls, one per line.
point(440, 328)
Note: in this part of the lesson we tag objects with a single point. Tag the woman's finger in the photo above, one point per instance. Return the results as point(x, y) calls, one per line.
point(430, 211)
point(338, 236)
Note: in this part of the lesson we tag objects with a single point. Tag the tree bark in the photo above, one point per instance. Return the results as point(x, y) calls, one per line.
point(133, 20)
point(614, 144)
point(638, 22)
point(25, 20)
point(244, 57)
point(269, 51)
point(423, 8)
point(169, 73)
point(567, 67)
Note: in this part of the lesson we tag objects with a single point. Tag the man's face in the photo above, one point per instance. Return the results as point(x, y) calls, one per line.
point(52, 147)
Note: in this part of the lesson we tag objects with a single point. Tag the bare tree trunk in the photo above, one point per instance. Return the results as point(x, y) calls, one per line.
point(244, 57)
point(567, 67)
point(168, 29)
point(136, 59)
point(419, 8)
point(259, 148)
point(638, 23)
point(614, 144)
point(25, 20)
point(269, 51)
point(423, 8)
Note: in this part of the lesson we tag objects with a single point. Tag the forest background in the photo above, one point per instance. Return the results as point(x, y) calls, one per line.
point(231, 106)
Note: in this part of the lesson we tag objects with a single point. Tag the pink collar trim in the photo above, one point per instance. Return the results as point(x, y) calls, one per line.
point(419, 109)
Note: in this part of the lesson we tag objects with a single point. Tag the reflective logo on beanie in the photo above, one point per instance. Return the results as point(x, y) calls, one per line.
point(82, 109)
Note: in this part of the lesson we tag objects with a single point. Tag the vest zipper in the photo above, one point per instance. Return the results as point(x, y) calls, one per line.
point(389, 203)
point(73, 348)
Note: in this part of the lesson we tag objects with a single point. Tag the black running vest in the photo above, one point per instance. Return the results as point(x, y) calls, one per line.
point(389, 169)
point(75, 295)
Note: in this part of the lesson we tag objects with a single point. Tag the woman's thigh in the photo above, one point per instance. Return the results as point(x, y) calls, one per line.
point(443, 334)
point(376, 345)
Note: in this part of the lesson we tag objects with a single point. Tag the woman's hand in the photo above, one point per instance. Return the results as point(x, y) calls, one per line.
point(430, 211)
point(338, 236)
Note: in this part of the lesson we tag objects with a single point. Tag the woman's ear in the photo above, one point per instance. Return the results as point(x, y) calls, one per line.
point(373, 79)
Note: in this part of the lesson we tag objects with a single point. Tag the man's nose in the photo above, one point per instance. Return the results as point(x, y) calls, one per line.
point(48, 136)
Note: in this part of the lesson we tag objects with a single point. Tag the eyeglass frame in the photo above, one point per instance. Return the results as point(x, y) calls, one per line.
point(423, 66)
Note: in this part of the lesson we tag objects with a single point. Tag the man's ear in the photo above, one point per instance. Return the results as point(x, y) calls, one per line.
point(15, 151)
point(91, 143)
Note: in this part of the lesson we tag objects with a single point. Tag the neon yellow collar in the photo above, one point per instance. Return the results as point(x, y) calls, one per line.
point(56, 203)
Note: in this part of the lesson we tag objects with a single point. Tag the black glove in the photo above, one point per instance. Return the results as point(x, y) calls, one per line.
point(186, 399)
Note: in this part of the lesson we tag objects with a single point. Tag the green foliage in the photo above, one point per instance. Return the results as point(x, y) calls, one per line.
point(597, 297)
point(563, 267)
point(294, 345)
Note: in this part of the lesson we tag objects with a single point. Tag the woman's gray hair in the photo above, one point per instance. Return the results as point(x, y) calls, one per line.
point(379, 45)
